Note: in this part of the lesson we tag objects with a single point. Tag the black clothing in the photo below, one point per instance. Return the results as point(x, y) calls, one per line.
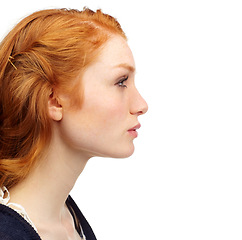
point(15, 227)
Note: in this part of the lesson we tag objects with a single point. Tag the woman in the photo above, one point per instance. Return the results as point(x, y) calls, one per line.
point(67, 94)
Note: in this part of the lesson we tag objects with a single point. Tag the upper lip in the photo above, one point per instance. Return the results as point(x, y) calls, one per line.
point(135, 127)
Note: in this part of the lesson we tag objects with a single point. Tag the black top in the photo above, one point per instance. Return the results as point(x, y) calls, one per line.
point(15, 227)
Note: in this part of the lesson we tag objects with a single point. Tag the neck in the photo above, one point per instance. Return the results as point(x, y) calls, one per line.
point(44, 192)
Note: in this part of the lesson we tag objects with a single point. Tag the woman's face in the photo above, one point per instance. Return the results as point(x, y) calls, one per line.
point(105, 124)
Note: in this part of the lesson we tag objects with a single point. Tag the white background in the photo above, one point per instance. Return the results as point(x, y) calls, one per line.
point(184, 180)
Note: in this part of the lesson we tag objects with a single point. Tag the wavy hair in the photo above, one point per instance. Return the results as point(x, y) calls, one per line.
point(47, 50)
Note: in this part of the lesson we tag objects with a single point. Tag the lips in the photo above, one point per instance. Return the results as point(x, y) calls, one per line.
point(132, 131)
point(135, 127)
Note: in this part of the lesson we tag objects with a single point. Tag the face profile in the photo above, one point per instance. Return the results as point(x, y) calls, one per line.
point(106, 122)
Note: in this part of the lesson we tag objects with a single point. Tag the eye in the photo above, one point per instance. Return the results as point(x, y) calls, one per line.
point(120, 83)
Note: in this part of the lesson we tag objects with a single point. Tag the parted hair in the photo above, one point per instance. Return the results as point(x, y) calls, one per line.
point(45, 52)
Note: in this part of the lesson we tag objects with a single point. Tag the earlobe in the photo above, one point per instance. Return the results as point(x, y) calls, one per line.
point(55, 108)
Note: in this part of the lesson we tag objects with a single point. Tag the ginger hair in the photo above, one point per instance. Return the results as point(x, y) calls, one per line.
point(46, 51)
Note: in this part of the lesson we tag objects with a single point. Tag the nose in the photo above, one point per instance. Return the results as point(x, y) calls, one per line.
point(138, 106)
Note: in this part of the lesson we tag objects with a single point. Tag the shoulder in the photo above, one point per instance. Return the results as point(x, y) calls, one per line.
point(13, 226)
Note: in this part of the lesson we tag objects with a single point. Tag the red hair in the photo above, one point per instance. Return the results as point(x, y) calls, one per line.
point(47, 50)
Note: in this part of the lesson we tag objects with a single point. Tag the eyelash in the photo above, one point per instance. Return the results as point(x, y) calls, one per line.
point(120, 82)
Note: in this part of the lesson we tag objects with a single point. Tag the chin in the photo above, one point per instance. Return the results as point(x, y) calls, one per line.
point(115, 152)
point(123, 153)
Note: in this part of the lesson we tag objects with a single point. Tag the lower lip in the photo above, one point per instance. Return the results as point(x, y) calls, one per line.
point(133, 133)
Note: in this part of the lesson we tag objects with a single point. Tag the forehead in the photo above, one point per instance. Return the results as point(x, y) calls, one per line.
point(116, 53)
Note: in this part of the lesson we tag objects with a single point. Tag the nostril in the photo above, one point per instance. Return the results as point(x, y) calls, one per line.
point(140, 112)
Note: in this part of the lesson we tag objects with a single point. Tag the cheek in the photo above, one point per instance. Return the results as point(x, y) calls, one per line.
point(107, 114)
point(99, 123)
point(105, 107)
point(113, 109)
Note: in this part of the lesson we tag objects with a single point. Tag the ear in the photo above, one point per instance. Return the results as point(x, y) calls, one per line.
point(55, 108)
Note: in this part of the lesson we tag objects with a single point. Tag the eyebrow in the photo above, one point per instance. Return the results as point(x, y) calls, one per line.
point(127, 66)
